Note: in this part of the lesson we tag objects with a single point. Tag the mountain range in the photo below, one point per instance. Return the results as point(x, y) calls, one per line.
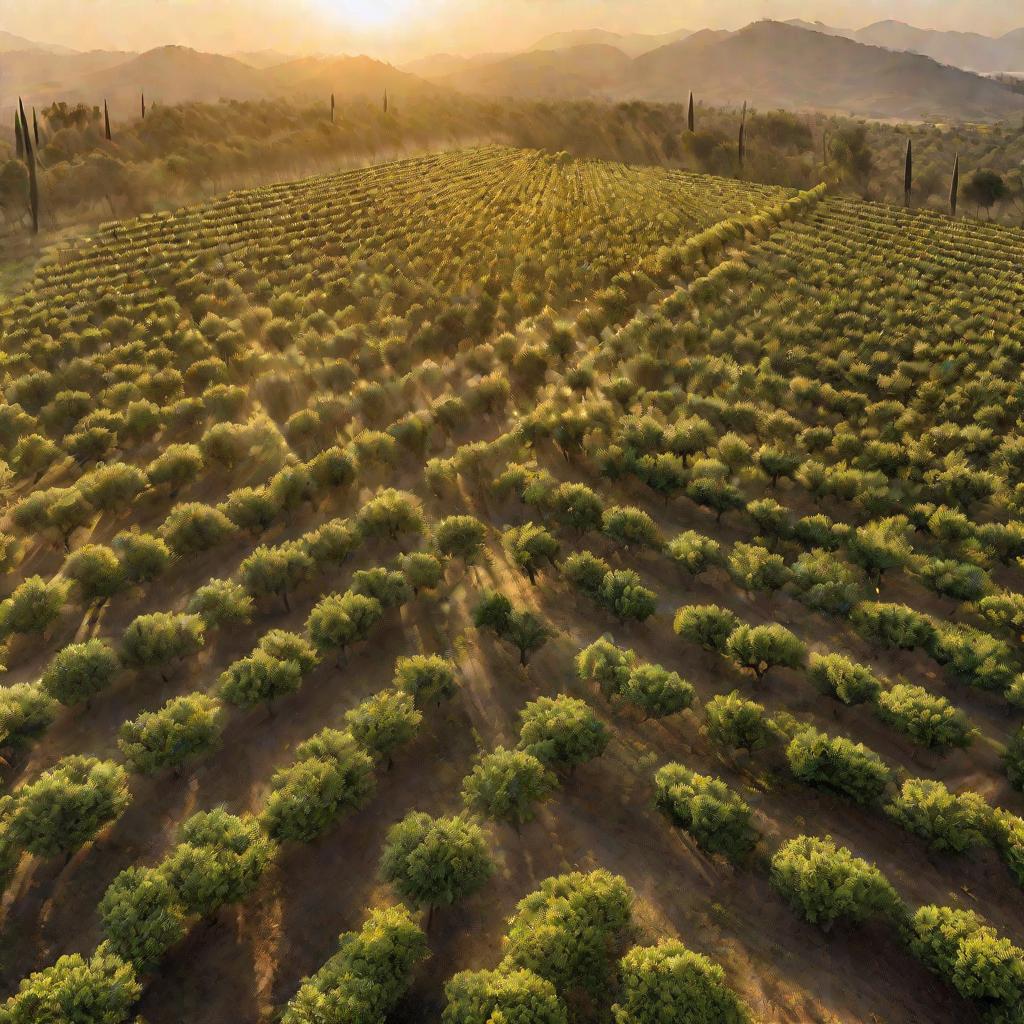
point(770, 64)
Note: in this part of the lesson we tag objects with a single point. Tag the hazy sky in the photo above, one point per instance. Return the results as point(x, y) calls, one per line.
point(398, 29)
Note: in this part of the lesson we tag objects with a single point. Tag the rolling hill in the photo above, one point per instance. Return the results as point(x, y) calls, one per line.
point(769, 63)
point(633, 44)
point(968, 50)
point(10, 43)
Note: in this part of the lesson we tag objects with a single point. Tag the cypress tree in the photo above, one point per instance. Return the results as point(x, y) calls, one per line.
point(143, 106)
point(385, 101)
point(106, 121)
point(332, 108)
point(743, 135)
point(35, 127)
point(908, 174)
point(19, 143)
point(30, 160)
point(690, 121)
point(954, 188)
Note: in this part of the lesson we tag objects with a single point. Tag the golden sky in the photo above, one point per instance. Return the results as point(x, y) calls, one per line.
point(400, 29)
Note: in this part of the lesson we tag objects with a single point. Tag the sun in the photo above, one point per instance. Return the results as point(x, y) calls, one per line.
point(367, 14)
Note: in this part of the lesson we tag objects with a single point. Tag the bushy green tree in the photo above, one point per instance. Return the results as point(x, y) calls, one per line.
point(460, 537)
point(586, 572)
point(33, 606)
point(252, 509)
point(716, 816)
point(515, 996)
point(141, 916)
point(221, 603)
point(925, 717)
point(979, 963)
point(422, 570)
point(192, 528)
point(839, 764)
point(736, 722)
point(528, 547)
point(26, 711)
point(880, 546)
point(96, 571)
point(623, 594)
point(367, 977)
point(286, 646)
point(562, 732)
point(695, 553)
point(755, 568)
point(837, 676)
point(80, 671)
point(427, 678)
point(388, 586)
point(276, 570)
point(630, 527)
point(330, 545)
point(340, 620)
point(99, 990)
point(68, 805)
point(656, 691)
point(390, 514)
point(893, 625)
point(218, 860)
point(330, 776)
point(571, 931)
point(144, 556)
point(953, 822)
point(184, 728)
point(825, 583)
point(176, 466)
point(705, 624)
point(761, 648)
point(577, 507)
point(259, 678)
point(154, 640)
point(384, 722)
point(607, 665)
point(670, 984)
point(435, 862)
point(825, 883)
point(506, 785)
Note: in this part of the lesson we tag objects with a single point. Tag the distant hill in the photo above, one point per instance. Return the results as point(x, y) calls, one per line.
point(633, 44)
point(10, 43)
point(576, 73)
point(968, 50)
point(169, 74)
point(344, 76)
point(44, 76)
point(770, 64)
point(262, 58)
point(777, 65)
point(437, 65)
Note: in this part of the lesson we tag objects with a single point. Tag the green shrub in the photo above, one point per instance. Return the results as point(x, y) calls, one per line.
point(837, 676)
point(736, 722)
point(705, 624)
point(953, 822)
point(761, 648)
point(839, 764)
point(506, 785)
point(925, 717)
point(561, 731)
point(519, 997)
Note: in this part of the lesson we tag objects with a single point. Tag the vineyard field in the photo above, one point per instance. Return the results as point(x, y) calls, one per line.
point(659, 527)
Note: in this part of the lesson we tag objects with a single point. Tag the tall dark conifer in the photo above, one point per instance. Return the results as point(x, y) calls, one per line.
point(690, 120)
point(30, 160)
point(106, 121)
point(385, 101)
point(332, 108)
point(19, 142)
point(954, 188)
point(908, 174)
point(743, 135)
point(143, 106)
point(35, 127)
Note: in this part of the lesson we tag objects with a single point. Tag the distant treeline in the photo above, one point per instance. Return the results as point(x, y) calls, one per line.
point(179, 153)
